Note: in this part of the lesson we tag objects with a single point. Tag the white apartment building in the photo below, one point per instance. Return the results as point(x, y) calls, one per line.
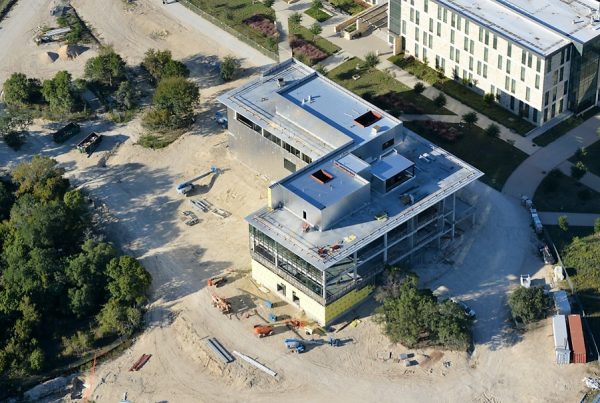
point(540, 58)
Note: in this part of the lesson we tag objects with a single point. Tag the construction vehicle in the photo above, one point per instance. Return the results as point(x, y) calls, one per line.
point(64, 133)
point(90, 143)
point(186, 187)
point(295, 345)
point(263, 330)
point(216, 281)
point(221, 303)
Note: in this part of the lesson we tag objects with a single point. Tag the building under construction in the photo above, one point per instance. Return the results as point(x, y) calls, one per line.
point(354, 189)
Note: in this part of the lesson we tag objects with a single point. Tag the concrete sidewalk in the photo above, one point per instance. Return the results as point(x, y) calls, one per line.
point(527, 177)
point(574, 219)
point(589, 179)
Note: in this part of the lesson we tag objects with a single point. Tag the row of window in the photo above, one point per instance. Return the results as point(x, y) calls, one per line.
point(271, 137)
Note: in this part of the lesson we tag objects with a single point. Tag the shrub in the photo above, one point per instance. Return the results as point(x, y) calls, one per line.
point(262, 24)
point(371, 60)
point(315, 28)
point(597, 226)
point(489, 98)
point(470, 118)
point(528, 304)
point(493, 130)
point(160, 64)
point(268, 3)
point(295, 18)
point(229, 68)
point(581, 153)
point(440, 100)
point(578, 170)
point(419, 88)
point(563, 224)
point(21, 91)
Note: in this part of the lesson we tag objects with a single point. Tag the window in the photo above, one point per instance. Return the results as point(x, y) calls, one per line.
point(467, 27)
point(295, 299)
point(424, 53)
point(424, 38)
point(562, 73)
point(565, 87)
point(471, 63)
point(416, 50)
point(513, 86)
point(523, 57)
point(527, 93)
point(546, 98)
point(412, 15)
point(458, 20)
point(512, 102)
point(471, 46)
point(508, 66)
point(495, 42)
point(453, 20)
point(562, 56)
point(487, 37)
point(445, 15)
point(431, 41)
point(439, 8)
point(431, 25)
point(439, 29)
point(522, 73)
point(306, 159)
point(404, 27)
point(560, 107)
point(457, 56)
point(485, 71)
point(426, 6)
point(271, 137)
point(289, 165)
point(417, 34)
point(555, 78)
point(478, 67)
point(545, 115)
point(568, 54)
point(466, 44)
point(537, 81)
point(480, 34)
point(281, 287)
point(534, 115)
point(417, 15)
point(387, 144)
point(485, 54)
point(509, 50)
point(554, 95)
point(506, 83)
point(549, 65)
point(452, 53)
point(499, 62)
point(529, 59)
point(452, 36)
point(538, 64)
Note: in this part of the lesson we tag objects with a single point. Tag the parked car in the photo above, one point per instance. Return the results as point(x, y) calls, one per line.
point(468, 310)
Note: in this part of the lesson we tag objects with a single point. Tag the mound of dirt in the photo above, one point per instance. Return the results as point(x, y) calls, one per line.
point(48, 57)
point(68, 52)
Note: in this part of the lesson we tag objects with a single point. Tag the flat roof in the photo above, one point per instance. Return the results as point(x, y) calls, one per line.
point(324, 194)
point(437, 177)
point(575, 19)
point(389, 165)
point(518, 26)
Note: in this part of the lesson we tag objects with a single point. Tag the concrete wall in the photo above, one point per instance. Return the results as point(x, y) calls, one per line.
point(258, 153)
point(373, 148)
point(345, 206)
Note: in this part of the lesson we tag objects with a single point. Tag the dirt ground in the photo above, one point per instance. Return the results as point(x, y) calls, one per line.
point(136, 189)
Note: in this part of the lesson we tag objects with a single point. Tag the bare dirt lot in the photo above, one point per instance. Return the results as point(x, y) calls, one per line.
point(136, 187)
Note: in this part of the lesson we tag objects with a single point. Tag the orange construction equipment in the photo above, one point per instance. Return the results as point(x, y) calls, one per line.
point(263, 330)
point(221, 303)
point(295, 323)
point(216, 281)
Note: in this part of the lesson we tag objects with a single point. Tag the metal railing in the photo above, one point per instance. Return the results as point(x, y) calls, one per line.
point(232, 31)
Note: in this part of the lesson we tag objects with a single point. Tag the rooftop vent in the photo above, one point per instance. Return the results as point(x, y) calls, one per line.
point(322, 176)
point(280, 82)
point(375, 129)
point(367, 119)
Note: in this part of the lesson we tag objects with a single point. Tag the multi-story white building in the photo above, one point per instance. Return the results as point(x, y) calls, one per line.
point(540, 58)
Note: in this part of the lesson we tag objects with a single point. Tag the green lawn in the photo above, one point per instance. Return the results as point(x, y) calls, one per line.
point(559, 192)
point(316, 40)
point(563, 127)
point(349, 6)
point(233, 13)
point(383, 90)
point(591, 159)
point(494, 157)
point(318, 14)
point(463, 94)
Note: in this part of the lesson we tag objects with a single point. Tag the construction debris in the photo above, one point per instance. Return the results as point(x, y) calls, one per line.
point(140, 362)
point(256, 364)
point(219, 350)
point(221, 303)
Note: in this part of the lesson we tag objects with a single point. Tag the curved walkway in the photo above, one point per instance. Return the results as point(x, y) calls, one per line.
point(527, 177)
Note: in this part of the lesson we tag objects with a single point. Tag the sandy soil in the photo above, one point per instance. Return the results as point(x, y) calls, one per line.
point(135, 187)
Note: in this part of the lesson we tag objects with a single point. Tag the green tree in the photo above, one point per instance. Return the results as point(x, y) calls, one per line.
point(528, 304)
point(315, 28)
point(124, 96)
point(419, 87)
point(160, 64)
point(493, 130)
point(451, 326)
point(107, 68)
point(229, 68)
point(439, 100)
point(174, 101)
point(128, 280)
point(58, 92)
point(470, 118)
point(316, 4)
point(563, 224)
point(295, 18)
point(578, 170)
point(13, 124)
point(114, 318)
point(489, 99)
point(268, 3)
point(371, 60)
point(41, 177)
point(21, 91)
point(597, 226)
point(6, 201)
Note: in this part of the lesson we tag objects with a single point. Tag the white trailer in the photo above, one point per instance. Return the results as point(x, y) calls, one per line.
point(561, 339)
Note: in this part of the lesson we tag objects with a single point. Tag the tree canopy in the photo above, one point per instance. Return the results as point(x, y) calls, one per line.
point(528, 304)
point(58, 92)
point(160, 64)
point(413, 317)
point(41, 178)
point(173, 104)
point(107, 68)
point(21, 91)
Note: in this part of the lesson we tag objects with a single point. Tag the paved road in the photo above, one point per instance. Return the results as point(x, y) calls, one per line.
point(574, 219)
point(527, 177)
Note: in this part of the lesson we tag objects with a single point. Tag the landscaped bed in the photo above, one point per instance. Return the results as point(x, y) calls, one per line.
point(350, 6)
point(233, 13)
point(318, 14)
point(494, 157)
point(306, 50)
point(311, 46)
point(462, 94)
point(559, 192)
point(590, 158)
point(262, 25)
point(382, 89)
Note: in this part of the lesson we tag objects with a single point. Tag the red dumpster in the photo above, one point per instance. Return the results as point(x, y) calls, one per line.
point(579, 355)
